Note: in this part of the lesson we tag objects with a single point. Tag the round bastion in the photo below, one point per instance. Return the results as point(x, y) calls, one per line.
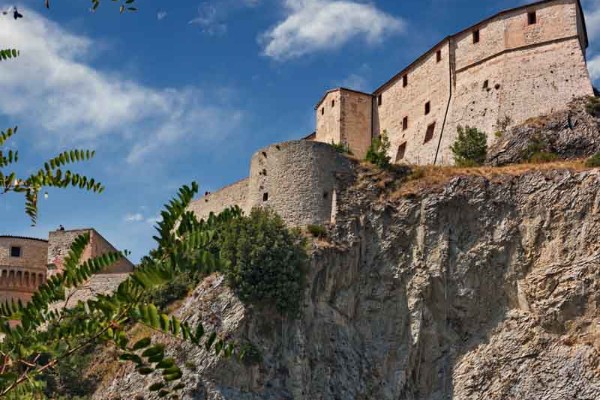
point(22, 267)
point(299, 180)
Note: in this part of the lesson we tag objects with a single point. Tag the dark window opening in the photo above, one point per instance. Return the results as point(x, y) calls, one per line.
point(264, 172)
point(322, 110)
point(486, 84)
point(380, 100)
point(401, 152)
point(405, 123)
point(15, 251)
point(429, 133)
point(325, 195)
point(476, 36)
point(265, 196)
point(405, 81)
point(427, 107)
point(438, 56)
point(532, 18)
point(332, 103)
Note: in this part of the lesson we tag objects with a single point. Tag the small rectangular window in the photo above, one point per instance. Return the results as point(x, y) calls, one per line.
point(265, 196)
point(429, 133)
point(532, 17)
point(427, 107)
point(476, 36)
point(379, 100)
point(438, 56)
point(405, 123)
point(401, 152)
point(486, 84)
point(15, 251)
point(332, 103)
point(405, 81)
point(322, 110)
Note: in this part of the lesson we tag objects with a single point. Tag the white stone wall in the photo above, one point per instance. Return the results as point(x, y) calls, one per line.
point(328, 116)
point(232, 195)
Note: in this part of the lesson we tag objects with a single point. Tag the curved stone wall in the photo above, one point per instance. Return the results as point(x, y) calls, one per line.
point(21, 276)
point(297, 180)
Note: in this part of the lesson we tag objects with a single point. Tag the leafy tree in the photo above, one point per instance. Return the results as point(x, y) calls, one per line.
point(378, 151)
point(470, 147)
point(265, 262)
point(39, 337)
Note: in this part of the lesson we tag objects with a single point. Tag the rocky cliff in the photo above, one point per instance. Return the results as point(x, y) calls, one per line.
point(479, 287)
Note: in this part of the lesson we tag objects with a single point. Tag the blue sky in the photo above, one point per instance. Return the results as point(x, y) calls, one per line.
point(188, 90)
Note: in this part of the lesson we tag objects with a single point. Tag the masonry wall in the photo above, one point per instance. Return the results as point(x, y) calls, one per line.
point(20, 276)
point(428, 81)
point(59, 243)
point(297, 180)
point(232, 195)
point(328, 117)
point(355, 121)
point(540, 69)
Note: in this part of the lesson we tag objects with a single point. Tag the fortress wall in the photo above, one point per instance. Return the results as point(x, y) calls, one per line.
point(550, 76)
point(297, 180)
point(428, 80)
point(229, 196)
point(20, 276)
point(33, 253)
point(59, 243)
point(100, 246)
point(355, 121)
point(328, 118)
point(511, 30)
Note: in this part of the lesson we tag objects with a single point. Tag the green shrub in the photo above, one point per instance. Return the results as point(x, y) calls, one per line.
point(266, 261)
point(378, 151)
point(538, 151)
point(343, 148)
point(593, 106)
point(250, 354)
point(593, 161)
point(498, 134)
point(317, 231)
point(541, 157)
point(470, 147)
point(178, 288)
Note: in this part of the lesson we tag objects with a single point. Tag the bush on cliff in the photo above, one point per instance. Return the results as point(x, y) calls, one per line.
point(470, 147)
point(266, 262)
point(378, 151)
point(593, 161)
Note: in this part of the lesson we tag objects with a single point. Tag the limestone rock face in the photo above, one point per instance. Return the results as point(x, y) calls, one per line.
point(570, 133)
point(479, 289)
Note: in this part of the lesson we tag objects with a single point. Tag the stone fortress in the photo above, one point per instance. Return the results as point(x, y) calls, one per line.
point(26, 263)
point(518, 64)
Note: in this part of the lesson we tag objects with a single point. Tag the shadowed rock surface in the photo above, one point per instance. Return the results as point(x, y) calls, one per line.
point(476, 289)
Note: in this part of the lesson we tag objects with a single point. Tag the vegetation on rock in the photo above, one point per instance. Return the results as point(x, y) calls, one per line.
point(318, 231)
point(342, 148)
point(593, 106)
point(593, 161)
point(470, 147)
point(378, 151)
point(265, 261)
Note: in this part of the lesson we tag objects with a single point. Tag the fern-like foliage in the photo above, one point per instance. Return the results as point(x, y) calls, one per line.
point(7, 54)
point(38, 335)
point(51, 174)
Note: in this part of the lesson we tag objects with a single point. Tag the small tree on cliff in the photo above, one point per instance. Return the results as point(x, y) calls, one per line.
point(470, 147)
point(378, 151)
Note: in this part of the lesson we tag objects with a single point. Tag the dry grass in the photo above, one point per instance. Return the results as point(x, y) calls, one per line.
point(423, 178)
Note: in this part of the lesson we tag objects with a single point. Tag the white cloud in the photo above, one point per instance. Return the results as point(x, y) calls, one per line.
point(53, 86)
point(160, 15)
point(592, 18)
point(594, 68)
point(317, 25)
point(212, 15)
point(137, 217)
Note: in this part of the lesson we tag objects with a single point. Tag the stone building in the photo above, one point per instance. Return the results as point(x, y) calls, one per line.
point(518, 64)
point(25, 263)
point(515, 65)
